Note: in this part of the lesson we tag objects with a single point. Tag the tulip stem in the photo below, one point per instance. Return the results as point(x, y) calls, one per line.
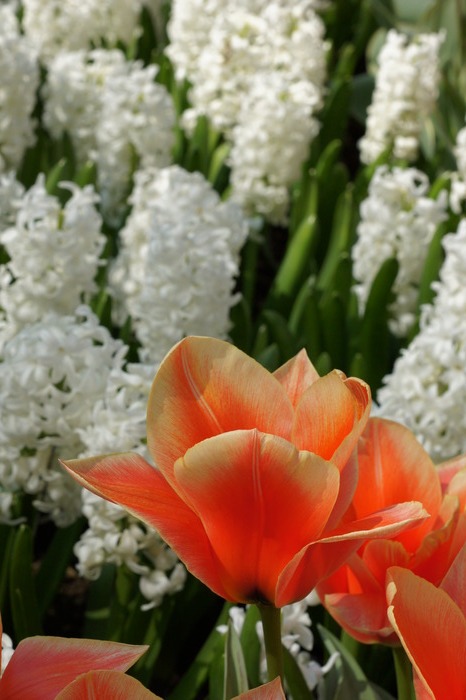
point(404, 674)
point(272, 625)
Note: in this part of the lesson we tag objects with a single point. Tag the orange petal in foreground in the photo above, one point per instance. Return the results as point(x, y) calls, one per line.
point(249, 513)
point(269, 691)
point(106, 685)
point(42, 666)
point(431, 625)
point(393, 467)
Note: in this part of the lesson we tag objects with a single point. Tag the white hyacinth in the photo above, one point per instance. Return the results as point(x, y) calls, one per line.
point(427, 388)
point(118, 423)
point(398, 220)
point(297, 637)
point(178, 260)
point(11, 193)
point(54, 253)
point(19, 71)
point(54, 26)
point(458, 179)
point(116, 115)
point(257, 71)
point(52, 375)
point(406, 90)
point(6, 651)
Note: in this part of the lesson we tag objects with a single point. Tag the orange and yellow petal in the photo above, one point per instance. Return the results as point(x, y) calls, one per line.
point(205, 387)
point(42, 666)
point(393, 468)
point(432, 629)
point(260, 501)
point(296, 376)
point(330, 417)
point(131, 482)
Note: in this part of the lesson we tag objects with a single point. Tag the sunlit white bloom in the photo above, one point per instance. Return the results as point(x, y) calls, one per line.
point(7, 651)
point(405, 94)
point(115, 537)
point(178, 260)
point(19, 70)
point(256, 71)
point(458, 179)
point(398, 220)
point(54, 253)
point(52, 374)
point(297, 637)
point(427, 388)
point(11, 193)
point(270, 143)
point(67, 25)
point(116, 115)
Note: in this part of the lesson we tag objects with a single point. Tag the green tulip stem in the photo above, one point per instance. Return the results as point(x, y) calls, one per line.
point(272, 624)
point(404, 674)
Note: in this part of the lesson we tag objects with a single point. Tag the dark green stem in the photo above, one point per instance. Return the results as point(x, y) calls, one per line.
point(271, 622)
point(404, 674)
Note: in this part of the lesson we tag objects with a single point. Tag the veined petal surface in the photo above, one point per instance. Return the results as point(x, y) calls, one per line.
point(205, 387)
point(106, 685)
point(330, 417)
point(128, 480)
point(296, 376)
point(260, 501)
point(42, 666)
point(432, 629)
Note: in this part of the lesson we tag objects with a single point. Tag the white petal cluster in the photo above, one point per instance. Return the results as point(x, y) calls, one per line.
point(179, 256)
point(6, 651)
point(118, 423)
point(115, 537)
point(52, 374)
point(54, 26)
point(257, 71)
point(19, 71)
point(54, 253)
point(11, 193)
point(297, 637)
point(398, 220)
point(115, 113)
point(268, 148)
point(458, 179)
point(427, 388)
point(406, 90)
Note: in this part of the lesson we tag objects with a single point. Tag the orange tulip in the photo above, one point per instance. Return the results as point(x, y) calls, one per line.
point(106, 685)
point(252, 471)
point(431, 624)
point(394, 467)
point(42, 667)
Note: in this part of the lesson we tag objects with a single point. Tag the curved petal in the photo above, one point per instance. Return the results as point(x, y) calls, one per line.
point(106, 685)
point(362, 616)
point(42, 666)
point(260, 501)
point(131, 482)
point(447, 470)
point(318, 560)
point(205, 387)
point(418, 612)
point(269, 691)
point(296, 376)
point(454, 582)
point(330, 417)
point(393, 468)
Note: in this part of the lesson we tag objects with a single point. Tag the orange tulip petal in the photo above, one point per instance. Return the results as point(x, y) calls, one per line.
point(432, 629)
point(318, 560)
point(363, 616)
point(330, 417)
point(260, 501)
point(296, 376)
point(454, 582)
point(205, 387)
point(106, 685)
point(394, 467)
point(269, 691)
point(127, 479)
point(447, 470)
point(42, 666)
